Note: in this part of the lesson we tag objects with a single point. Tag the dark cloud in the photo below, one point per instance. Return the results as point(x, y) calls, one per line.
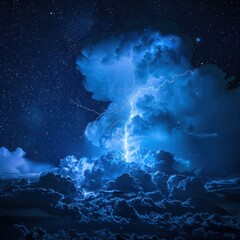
point(58, 184)
point(125, 183)
point(31, 197)
point(141, 203)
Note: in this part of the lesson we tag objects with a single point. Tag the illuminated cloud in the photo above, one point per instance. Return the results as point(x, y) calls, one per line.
point(16, 163)
point(158, 99)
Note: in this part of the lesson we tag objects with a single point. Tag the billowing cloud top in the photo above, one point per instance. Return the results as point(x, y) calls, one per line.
point(158, 99)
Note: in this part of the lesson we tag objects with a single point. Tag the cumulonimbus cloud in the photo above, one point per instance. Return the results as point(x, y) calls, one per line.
point(158, 99)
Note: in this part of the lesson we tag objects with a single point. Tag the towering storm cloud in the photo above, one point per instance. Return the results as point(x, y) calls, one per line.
point(158, 100)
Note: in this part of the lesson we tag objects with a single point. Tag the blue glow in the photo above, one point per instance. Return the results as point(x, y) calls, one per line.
point(158, 99)
point(198, 39)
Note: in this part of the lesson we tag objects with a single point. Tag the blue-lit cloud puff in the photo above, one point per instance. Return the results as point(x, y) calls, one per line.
point(15, 163)
point(159, 100)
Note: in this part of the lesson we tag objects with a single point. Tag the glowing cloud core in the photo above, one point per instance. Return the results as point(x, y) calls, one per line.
point(158, 99)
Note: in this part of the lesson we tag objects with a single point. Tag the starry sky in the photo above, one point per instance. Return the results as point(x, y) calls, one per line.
point(41, 41)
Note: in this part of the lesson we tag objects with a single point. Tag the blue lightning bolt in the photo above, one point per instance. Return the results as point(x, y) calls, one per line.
point(130, 152)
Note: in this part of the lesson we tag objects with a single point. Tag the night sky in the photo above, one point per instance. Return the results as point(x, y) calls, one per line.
point(41, 41)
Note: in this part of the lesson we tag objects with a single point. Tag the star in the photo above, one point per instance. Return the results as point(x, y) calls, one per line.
point(198, 39)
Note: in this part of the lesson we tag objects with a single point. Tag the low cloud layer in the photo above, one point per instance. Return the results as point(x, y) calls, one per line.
point(159, 100)
point(118, 200)
point(16, 163)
